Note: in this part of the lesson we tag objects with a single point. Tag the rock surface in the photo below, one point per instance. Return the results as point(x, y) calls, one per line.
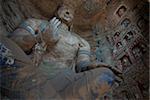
point(96, 21)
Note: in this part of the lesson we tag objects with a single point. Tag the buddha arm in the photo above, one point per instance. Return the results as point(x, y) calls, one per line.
point(84, 53)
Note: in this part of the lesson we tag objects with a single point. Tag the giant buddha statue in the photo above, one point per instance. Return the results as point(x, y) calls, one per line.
point(45, 60)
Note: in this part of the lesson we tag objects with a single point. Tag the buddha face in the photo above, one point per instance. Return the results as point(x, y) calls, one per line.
point(66, 13)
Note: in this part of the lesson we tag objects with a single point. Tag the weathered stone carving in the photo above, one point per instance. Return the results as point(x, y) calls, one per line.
point(125, 23)
point(44, 38)
point(90, 16)
point(121, 11)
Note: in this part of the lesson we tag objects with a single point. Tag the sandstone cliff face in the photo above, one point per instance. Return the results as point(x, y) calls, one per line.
point(14, 11)
point(96, 21)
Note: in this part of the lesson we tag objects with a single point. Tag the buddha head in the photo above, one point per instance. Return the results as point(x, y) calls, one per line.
point(66, 13)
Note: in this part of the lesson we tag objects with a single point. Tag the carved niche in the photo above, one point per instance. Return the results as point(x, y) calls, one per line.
point(116, 36)
point(119, 45)
point(125, 62)
point(128, 37)
point(120, 12)
point(125, 23)
point(138, 50)
point(142, 23)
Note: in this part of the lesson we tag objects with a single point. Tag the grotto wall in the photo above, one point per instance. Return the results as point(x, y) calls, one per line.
point(117, 31)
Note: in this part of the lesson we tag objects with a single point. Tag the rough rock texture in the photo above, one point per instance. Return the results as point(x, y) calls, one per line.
point(97, 21)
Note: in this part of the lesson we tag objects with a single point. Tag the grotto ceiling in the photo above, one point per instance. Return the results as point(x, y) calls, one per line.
point(117, 31)
point(86, 12)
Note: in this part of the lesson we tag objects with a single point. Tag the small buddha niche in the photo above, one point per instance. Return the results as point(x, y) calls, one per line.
point(125, 23)
point(125, 62)
point(120, 12)
point(116, 36)
point(141, 23)
point(128, 37)
point(138, 50)
point(119, 45)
